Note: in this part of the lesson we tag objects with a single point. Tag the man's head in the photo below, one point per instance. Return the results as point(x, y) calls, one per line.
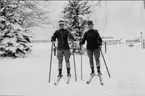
point(90, 24)
point(61, 24)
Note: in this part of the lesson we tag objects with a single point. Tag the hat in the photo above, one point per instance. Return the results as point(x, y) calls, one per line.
point(61, 22)
point(90, 22)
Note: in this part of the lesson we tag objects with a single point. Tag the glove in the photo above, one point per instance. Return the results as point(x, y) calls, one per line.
point(100, 48)
point(54, 51)
point(80, 44)
point(52, 39)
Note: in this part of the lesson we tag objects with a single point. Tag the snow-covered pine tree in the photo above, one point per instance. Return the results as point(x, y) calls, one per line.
point(74, 14)
point(14, 38)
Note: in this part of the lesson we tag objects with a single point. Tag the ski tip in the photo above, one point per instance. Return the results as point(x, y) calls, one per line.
point(55, 84)
point(87, 82)
point(102, 84)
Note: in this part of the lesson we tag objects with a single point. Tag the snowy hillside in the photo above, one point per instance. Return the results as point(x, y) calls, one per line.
point(29, 77)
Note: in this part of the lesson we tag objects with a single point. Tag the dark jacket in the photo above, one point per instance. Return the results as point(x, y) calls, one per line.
point(62, 36)
point(94, 41)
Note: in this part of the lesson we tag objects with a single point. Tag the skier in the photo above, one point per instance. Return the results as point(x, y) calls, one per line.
point(94, 42)
point(63, 48)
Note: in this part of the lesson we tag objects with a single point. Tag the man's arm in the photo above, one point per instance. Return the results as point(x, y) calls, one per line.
point(83, 40)
point(99, 39)
point(71, 36)
point(53, 38)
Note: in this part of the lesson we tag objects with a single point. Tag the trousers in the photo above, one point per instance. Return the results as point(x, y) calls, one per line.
point(60, 55)
point(96, 53)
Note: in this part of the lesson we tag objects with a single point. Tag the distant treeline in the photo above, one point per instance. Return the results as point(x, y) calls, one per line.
point(40, 41)
point(120, 41)
point(109, 41)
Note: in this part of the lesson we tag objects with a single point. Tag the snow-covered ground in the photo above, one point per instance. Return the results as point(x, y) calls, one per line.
point(29, 77)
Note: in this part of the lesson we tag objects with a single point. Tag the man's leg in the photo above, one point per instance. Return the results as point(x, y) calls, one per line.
point(67, 55)
point(60, 60)
point(90, 55)
point(97, 58)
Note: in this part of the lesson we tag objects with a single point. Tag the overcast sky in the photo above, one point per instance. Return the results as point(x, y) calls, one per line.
point(124, 18)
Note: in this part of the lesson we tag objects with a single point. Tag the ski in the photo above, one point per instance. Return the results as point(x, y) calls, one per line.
point(57, 81)
point(68, 79)
point(101, 80)
point(90, 79)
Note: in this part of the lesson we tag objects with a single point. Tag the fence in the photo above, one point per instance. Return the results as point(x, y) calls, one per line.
point(111, 42)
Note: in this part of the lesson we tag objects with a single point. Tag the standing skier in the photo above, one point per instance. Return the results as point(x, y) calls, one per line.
point(63, 48)
point(94, 42)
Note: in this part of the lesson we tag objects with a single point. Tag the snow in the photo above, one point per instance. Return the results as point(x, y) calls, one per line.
point(2, 18)
point(29, 76)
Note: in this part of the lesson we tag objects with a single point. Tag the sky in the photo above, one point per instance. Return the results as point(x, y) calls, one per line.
point(117, 19)
point(45, 33)
point(124, 18)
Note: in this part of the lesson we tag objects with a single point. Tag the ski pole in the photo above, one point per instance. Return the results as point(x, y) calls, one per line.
point(50, 62)
point(105, 64)
point(105, 47)
point(74, 62)
point(74, 66)
point(54, 49)
point(81, 64)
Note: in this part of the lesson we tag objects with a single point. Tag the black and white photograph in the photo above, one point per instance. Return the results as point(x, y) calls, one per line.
point(72, 47)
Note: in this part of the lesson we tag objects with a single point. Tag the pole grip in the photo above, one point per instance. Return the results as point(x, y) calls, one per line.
point(105, 47)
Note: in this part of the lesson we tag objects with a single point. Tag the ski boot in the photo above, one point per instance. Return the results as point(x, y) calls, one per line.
point(68, 75)
point(68, 78)
point(59, 75)
point(99, 73)
point(100, 78)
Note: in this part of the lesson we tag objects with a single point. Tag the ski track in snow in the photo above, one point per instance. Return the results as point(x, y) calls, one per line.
point(29, 76)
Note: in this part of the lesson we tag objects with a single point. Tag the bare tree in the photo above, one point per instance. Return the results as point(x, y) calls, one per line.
point(32, 13)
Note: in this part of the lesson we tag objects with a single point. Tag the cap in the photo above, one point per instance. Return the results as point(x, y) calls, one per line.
point(90, 22)
point(61, 22)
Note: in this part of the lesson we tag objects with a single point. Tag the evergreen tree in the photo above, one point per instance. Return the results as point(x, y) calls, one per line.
point(74, 14)
point(14, 38)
